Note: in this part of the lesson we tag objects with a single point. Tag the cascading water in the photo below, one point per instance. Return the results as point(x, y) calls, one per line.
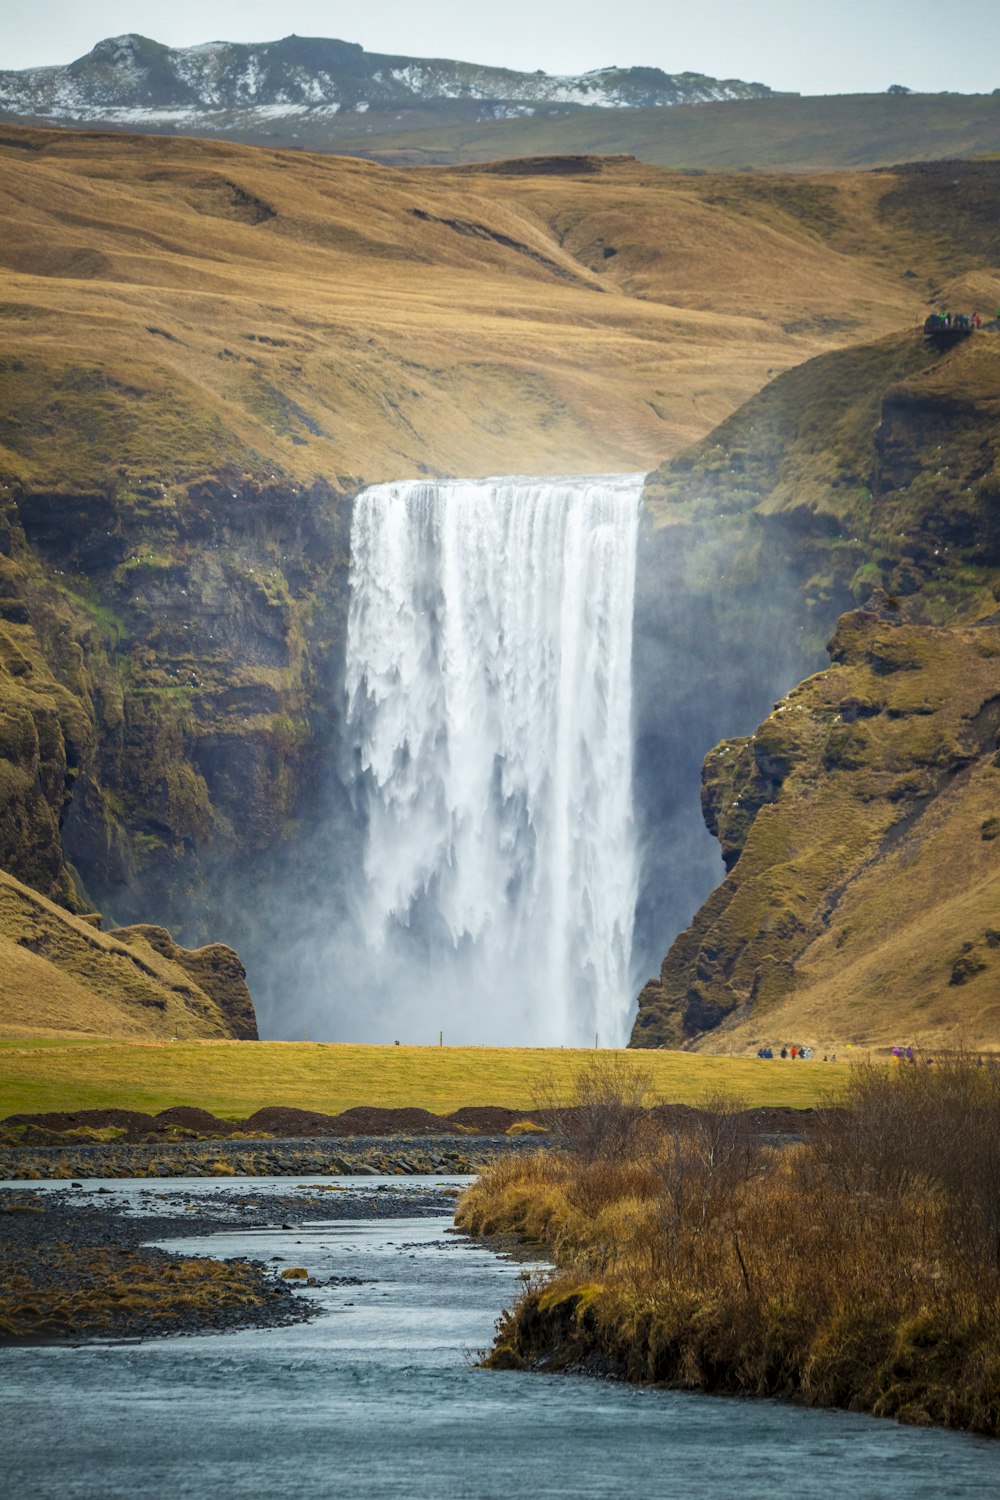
point(489, 708)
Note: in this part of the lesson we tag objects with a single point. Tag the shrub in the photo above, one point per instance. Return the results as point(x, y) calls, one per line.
point(859, 1269)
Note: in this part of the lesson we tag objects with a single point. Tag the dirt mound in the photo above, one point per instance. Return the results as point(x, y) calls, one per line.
point(365, 1120)
point(492, 1119)
point(362, 1120)
point(280, 1121)
point(188, 1117)
point(85, 1119)
point(274, 1120)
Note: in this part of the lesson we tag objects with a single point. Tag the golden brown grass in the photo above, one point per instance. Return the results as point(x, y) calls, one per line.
point(59, 975)
point(65, 1291)
point(233, 1079)
point(860, 1270)
point(174, 306)
point(844, 917)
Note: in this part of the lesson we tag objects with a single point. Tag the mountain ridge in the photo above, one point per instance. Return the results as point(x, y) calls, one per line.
point(132, 79)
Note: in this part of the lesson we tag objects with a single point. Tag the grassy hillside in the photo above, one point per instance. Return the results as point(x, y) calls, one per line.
point(59, 975)
point(174, 308)
point(861, 832)
point(205, 347)
point(784, 133)
point(233, 1080)
point(876, 465)
point(855, 822)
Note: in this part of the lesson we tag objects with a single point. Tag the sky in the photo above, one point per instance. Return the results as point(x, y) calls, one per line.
point(843, 47)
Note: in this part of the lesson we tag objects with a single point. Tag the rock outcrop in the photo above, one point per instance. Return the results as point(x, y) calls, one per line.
point(869, 476)
point(163, 664)
point(860, 831)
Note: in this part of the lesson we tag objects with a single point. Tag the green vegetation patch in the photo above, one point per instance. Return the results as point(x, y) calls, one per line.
point(233, 1080)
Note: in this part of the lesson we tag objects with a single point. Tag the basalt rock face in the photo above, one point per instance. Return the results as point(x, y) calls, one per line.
point(169, 675)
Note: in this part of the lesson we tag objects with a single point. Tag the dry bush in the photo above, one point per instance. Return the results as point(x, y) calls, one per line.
point(522, 1195)
point(861, 1269)
point(608, 1115)
point(596, 1182)
point(930, 1136)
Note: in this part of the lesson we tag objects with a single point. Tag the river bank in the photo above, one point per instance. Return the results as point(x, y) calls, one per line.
point(857, 1269)
point(77, 1265)
point(354, 1156)
point(376, 1397)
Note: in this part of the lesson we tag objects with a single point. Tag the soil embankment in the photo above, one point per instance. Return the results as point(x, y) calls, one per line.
point(277, 1142)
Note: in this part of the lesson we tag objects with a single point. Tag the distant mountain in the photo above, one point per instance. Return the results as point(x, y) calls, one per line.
point(270, 89)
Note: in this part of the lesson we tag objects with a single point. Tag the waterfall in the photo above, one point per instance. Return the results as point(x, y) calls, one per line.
point(489, 694)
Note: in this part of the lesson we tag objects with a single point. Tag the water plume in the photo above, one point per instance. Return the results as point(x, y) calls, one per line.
point(489, 692)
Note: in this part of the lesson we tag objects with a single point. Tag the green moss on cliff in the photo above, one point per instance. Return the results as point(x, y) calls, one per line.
point(163, 664)
point(858, 874)
point(873, 466)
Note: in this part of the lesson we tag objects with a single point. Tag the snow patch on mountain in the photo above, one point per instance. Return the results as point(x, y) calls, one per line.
point(132, 80)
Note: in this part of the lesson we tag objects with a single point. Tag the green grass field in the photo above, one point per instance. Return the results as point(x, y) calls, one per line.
point(232, 1079)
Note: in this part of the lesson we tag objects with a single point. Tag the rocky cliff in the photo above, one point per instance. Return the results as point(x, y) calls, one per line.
point(194, 332)
point(860, 829)
point(164, 665)
point(856, 822)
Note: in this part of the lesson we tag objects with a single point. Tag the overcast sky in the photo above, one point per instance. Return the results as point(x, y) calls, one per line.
point(847, 46)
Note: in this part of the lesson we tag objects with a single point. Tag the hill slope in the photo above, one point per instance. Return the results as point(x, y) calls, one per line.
point(862, 817)
point(778, 134)
point(325, 95)
point(206, 345)
point(857, 822)
point(60, 976)
point(173, 307)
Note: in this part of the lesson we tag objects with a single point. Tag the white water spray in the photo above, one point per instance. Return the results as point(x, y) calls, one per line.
point(489, 706)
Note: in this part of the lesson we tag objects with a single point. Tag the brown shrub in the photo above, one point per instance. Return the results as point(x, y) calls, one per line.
point(608, 1116)
point(861, 1269)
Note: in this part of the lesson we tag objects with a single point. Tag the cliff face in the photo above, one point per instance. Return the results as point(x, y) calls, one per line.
point(856, 822)
point(873, 466)
point(166, 663)
point(170, 642)
point(861, 832)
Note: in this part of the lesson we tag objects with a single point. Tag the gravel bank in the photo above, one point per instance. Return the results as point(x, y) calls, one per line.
point(76, 1267)
point(344, 1156)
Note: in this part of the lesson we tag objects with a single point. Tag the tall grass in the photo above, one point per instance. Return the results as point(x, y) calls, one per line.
point(861, 1269)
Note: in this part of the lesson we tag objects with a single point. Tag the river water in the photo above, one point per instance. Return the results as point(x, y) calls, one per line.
point(378, 1397)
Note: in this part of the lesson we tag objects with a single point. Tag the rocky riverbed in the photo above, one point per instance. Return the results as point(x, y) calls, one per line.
point(77, 1265)
point(345, 1156)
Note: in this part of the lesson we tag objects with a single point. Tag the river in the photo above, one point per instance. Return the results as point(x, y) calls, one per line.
point(378, 1396)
